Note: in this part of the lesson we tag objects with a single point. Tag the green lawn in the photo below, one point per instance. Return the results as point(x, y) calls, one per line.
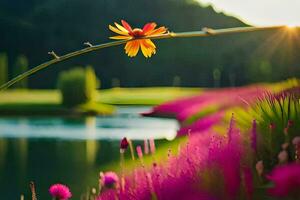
point(47, 102)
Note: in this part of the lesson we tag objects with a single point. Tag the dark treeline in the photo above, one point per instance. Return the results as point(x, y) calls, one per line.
point(34, 27)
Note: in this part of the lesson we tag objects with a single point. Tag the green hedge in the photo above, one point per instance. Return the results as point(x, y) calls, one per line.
point(78, 85)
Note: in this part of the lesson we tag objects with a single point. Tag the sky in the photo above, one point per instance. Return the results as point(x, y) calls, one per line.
point(260, 12)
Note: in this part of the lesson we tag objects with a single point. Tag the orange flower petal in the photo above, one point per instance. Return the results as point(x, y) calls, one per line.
point(126, 25)
point(121, 28)
point(120, 37)
point(132, 48)
point(150, 43)
point(145, 51)
point(158, 31)
point(147, 48)
point(149, 27)
point(128, 47)
point(114, 29)
point(135, 48)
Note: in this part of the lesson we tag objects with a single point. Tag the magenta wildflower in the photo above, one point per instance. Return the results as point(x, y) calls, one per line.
point(286, 181)
point(60, 192)
point(109, 179)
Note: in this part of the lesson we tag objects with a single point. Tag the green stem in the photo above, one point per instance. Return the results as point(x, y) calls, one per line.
point(204, 33)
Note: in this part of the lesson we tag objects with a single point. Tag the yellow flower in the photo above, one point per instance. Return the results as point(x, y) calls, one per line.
point(132, 47)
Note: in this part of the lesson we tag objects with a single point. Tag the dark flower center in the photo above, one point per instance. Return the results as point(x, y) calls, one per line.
point(137, 32)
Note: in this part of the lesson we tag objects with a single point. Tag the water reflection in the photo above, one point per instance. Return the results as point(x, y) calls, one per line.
point(91, 145)
point(71, 151)
point(113, 128)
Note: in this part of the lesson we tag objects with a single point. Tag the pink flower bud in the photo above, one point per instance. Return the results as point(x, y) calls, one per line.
point(146, 146)
point(284, 146)
point(296, 140)
point(290, 123)
point(152, 146)
point(124, 144)
point(283, 157)
point(286, 131)
point(272, 126)
point(259, 167)
point(139, 151)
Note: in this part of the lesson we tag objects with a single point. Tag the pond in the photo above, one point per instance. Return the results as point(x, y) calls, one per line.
point(72, 151)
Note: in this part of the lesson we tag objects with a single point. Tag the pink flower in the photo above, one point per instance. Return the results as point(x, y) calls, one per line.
point(109, 179)
point(60, 192)
point(286, 180)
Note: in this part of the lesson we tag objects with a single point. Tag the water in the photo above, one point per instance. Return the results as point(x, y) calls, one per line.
point(69, 150)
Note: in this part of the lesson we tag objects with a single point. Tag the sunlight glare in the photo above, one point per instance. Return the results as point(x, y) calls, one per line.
point(292, 26)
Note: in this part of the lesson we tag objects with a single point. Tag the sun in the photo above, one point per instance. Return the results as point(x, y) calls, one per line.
point(292, 25)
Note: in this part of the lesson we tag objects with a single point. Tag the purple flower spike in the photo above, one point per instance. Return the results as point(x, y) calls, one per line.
point(254, 136)
point(60, 192)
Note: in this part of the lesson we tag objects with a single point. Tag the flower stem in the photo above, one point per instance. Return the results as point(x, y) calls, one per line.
point(122, 161)
point(131, 149)
point(203, 33)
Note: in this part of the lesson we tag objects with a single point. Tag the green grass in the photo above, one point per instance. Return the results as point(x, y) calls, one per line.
point(29, 97)
point(47, 102)
point(144, 96)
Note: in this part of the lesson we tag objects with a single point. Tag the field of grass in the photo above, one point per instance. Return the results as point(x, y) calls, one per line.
point(144, 96)
point(47, 102)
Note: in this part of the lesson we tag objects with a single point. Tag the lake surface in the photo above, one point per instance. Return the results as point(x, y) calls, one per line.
point(69, 150)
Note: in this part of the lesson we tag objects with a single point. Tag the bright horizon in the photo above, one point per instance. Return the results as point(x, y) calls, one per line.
point(260, 12)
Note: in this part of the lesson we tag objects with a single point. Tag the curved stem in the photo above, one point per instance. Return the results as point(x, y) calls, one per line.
point(205, 32)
